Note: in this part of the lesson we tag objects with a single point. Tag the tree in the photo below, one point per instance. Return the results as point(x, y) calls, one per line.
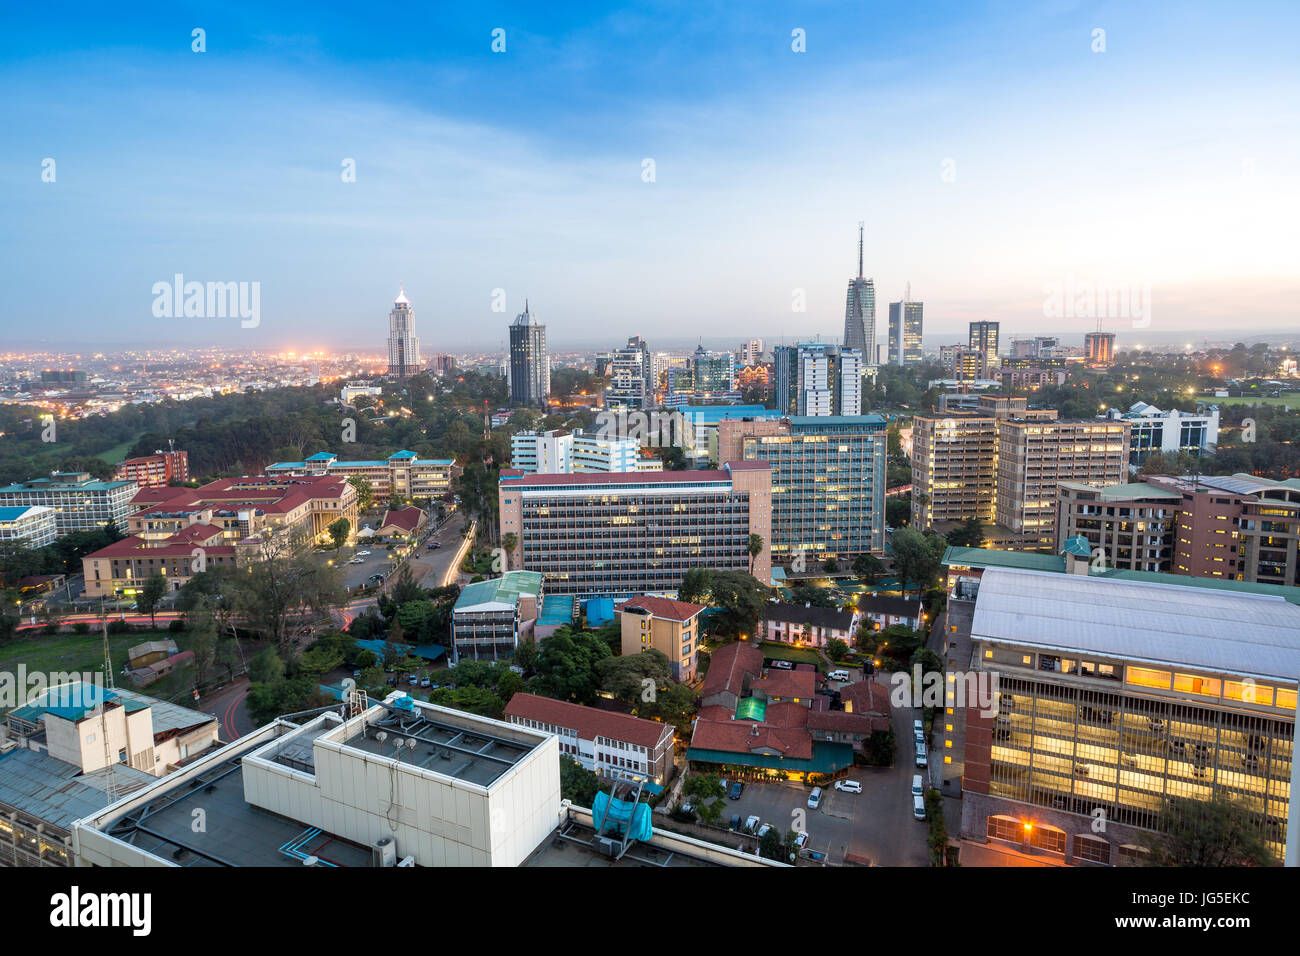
point(917, 557)
point(1218, 832)
point(578, 785)
point(626, 677)
point(266, 667)
point(755, 549)
point(279, 583)
point(365, 491)
point(868, 567)
point(566, 664)
point(836, 649)
point(696, 586)
point(740, 599)
point(969, 534)
point(149, 594)
point(338, 531)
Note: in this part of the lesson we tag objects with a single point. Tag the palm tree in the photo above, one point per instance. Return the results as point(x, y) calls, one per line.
point(755, 549)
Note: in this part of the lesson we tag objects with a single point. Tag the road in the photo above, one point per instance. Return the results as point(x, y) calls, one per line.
point(228, 705)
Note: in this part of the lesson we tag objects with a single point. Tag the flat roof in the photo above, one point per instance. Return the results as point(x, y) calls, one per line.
point(1135, 489)
point(56, 791)
point(506, 589)
point(1242, 633)
point(570, 845)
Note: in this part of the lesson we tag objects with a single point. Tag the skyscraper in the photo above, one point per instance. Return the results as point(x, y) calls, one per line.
point(860, 312)
point(632, 381)
point(1099, 349)
point(403, 346)
point(530, 363)
point(814, 378)
point(984, 336)
point(714, 371)
point(905, 331)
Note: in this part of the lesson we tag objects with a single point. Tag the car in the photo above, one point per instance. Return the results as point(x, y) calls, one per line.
point(918, 728)
point(737, 789)
point(356, 673)
point(848, 786)
point(921, 760)
point(363, 554)
point(840, 675)
point(763, 830)
point(735, 822)
point(425, 682)
point(815, 798)
point(800, 840)
point(918, 807)
point(391, 682)
point(918, 785)
point(413, 678)
point(433, 545)
point(783, 665)
point(752, 821)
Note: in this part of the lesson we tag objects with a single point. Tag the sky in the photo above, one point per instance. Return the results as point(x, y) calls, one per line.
point(673, 170)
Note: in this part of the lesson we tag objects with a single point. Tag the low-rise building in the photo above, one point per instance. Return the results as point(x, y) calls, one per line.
point(491, 617)
point(27, 526)
point(401, 523)
point(403, 475)
point(160, 468)
point(667, 626)
point(804, 624)
point(611, 744)
point(883, 610)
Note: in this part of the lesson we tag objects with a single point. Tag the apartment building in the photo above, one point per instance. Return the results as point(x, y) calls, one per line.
point(160, 468)
point(1033, 456)
point(954, 468)
point(814, 378)
point(628, 533)
point(491, 617)
point(803, 624)
point(560, 452)
point(1269, 526)
point(402, 474)
point(1113, 696)
point(80, 503)
point(27, 526)
point(606, 742)
point(1130, 526)
point(667, 626)
point(828, 482)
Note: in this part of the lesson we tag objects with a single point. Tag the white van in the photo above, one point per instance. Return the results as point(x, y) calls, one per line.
point(838, 675)
point(920, 755)
point(918, 808)
point(918, 728)
point(918, 787)
point(848, 786)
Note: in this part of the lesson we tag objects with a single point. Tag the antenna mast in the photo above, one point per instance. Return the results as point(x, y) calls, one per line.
point(861, 224)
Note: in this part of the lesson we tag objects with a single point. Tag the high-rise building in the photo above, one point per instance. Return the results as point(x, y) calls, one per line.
point(969, 364)
point(814, 378)
point(625, 534)
point(530, 362)
point(561, 452)
point(905, 332)
point(1034, 455)
point(860, 312)
point(828, 482)
point(751, 353)
point(954, 468)
point(151, 471)
point(1099, 349)
point(714, 371)
point(403, 346)
point(1112, 695)
point(984, 336)
point(631, 376)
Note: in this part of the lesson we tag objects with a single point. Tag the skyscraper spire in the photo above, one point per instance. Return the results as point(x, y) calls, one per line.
point(860, 227)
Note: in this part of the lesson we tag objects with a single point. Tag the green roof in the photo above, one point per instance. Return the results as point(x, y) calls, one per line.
point(503, 590)
point(993, 558)
point(1135, 489)
point(751, 708)
point(826, 758)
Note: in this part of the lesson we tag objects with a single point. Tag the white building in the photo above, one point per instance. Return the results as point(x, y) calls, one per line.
point(1169, 432)
point(558, 452)
point(80, 503)
point(29, 526)
point(350, 391)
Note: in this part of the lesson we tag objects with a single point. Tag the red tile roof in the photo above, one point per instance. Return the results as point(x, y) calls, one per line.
point(837, 721)
point(779, 683)
point(866, 697)
point(729, 666)
point(408, 518)
point(665, 608)
point(746, 736)
point(589, 722)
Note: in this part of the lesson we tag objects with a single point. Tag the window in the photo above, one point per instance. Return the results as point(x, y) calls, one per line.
point(1091, 848)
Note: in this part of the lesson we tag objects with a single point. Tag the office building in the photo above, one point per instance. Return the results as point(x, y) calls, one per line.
point(860, 312)
point(1029, 379)
point(614, 746)
point(699, 424)
point(491, 617)
point(954, 468)
point(1034, 455)
point(664, 625)
point(713, 373)
point(1099, 349)
point(401, 475)
point(631, 379)
point(530, 362)
point(624, 534)
point(813, 378)
point(1113, 696)
point(1168, 432)
point(984, 337)
point(560, 452)
point(751, 353)
point(403, 345)
point(905, 326)
point(27, 526)
point(828, 483)
point(160, 468)
point(1129, 526)
point(80, 503)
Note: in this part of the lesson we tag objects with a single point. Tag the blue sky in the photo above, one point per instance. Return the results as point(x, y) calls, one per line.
point(1169, 161)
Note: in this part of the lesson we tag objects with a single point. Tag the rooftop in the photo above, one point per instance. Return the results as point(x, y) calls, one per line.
point(589, 722)
point(665, 608)
point(505, 590)
point(1245, 634)
point(57, 792)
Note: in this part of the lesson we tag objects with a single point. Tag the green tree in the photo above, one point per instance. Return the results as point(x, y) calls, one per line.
point(740, 599)
point(578, 785)
point(696, 586)
point(868, 567)
point(566, 665)
point(149, 594)
point(836, 649)
point(969, 534)
point(917, 557)
point(626, 677)
point(1218, 832)
point(266, 667)
point(338, 531)
point(365, 491)
point(755, 549)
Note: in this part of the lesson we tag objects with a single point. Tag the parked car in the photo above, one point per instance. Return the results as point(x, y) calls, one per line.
point(413, 678)
point(918, 787)
point(735, 822)
point(918, 728)
point(762, 831)
point(425, 682)
point(752, 821)
point(815, 798)
point(363, 554)
point(918, 807)
point(840, 675)
point(848, 786)
point(737, 789)
point(688, 807)
point(920, 756)
point(800, 840)
point(783, 665)
point(356, 673)
point(433, 545)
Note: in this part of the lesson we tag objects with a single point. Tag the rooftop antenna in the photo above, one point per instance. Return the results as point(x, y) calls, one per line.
point(907, 296)
point(110, 778)
point(861, 225)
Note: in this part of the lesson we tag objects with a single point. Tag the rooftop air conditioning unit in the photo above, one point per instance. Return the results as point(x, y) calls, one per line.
point(384, 852)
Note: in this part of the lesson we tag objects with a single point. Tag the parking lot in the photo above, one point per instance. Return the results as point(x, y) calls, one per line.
point(376, 562)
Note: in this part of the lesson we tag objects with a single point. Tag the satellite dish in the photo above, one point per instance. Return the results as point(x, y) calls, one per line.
point(410, 743)
point(381, 736)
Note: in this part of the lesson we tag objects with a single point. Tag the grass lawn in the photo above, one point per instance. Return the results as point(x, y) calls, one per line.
point(797, 655)
point(1289, 401)
point(76, 653)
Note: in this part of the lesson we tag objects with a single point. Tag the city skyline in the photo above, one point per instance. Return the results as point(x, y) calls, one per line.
point(1012, 178)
